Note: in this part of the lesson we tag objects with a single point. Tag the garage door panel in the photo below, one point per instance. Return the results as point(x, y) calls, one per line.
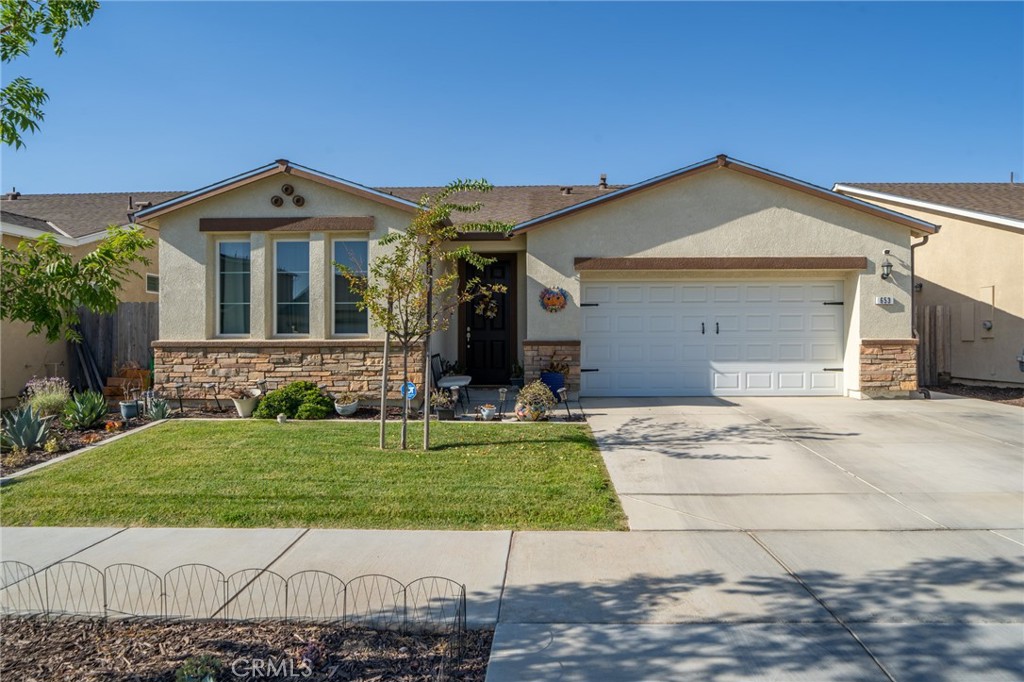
point(694, 293)
point(659, 338)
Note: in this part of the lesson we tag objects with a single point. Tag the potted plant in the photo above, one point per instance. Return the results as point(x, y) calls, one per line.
point(487, 412)
point(130, 403)
point(245, 400)
point(516, 375)
point(203, 668)
point(346, 404)
point(534, 402)
point(553, 374)
point(443, 404)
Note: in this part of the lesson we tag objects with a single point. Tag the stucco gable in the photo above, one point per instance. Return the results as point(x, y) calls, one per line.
point(284, 171)
point(723, 164)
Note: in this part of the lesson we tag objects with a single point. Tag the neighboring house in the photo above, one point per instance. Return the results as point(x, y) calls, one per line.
point(721, 278)
point(77, 222)
point(974, 268)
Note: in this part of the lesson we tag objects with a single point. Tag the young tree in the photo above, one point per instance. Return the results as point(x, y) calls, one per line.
point(40, 283)
point(413, 289)
point(21, 101)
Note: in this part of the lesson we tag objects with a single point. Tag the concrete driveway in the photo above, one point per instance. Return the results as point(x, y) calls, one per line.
point(784, 538)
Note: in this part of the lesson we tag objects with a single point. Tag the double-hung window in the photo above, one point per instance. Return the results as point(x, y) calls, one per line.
point(291, 287)
point(233, 278)
point(348, 319)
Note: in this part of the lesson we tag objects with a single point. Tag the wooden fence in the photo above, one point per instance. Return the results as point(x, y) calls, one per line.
point(126, 336)
point(933, 325)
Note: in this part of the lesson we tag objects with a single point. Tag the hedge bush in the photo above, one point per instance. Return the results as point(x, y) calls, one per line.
point(299, 400)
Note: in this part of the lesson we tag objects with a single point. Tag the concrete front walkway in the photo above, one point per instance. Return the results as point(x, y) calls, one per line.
point(796, 539)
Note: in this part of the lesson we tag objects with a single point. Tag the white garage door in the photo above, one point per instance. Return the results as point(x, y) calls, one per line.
point(712, 338)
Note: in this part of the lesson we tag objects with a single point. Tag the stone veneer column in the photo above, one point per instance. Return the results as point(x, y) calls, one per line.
point(888, 367)
point(537, 355)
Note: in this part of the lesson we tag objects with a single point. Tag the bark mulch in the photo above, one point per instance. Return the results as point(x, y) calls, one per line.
point(1006, 396)
point(151, 651)
point(68, 440)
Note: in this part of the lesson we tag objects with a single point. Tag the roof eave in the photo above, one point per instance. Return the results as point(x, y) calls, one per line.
point(722, 161)
point(278, 167)
point(930, 205)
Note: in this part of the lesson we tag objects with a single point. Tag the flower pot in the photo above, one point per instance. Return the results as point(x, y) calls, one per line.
point(245, 406)
point(346, 409)
point(531, 413)
point(554, 381)
point(445, 413)
point(487, 413)
point(129, 409)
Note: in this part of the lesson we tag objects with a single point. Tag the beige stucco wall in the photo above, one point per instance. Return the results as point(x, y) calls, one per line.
point(187, 256)
point(724, 213)
point(955, 268)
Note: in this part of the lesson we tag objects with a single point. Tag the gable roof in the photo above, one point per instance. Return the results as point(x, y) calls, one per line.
point(982, 200)
point(77, 215)
point(30, 223)
point(513, 203)
point(281, 166)
point(723, 161)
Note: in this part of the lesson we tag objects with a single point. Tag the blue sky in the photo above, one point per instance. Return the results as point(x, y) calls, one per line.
point(173, 95)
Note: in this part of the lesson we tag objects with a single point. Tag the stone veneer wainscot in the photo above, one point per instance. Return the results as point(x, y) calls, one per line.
point(888, 367)
point(537, 354)
point(343, 365)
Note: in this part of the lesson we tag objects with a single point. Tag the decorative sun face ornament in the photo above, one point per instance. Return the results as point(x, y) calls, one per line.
point(553, 299)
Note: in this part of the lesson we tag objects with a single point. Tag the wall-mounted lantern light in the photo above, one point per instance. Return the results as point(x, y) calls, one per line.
point(886, 267)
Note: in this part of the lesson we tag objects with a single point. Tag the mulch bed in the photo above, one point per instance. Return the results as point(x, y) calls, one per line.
point(1006, 396)
point(151, 651)
point(67, 441)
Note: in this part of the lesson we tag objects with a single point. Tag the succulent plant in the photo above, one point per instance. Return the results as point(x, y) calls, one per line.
point(159, 409)
point(25, 428)
point(85, 410)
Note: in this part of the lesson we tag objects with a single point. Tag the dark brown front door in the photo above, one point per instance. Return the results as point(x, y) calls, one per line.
point(487, 342)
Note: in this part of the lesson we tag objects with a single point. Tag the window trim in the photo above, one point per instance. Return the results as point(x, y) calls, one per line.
point(217, 299)
point(309, 275)
point(334, 290)
point(148, 290)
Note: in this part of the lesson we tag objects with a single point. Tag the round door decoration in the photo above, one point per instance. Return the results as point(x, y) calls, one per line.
point(287, 190)
point(298, 200)
point(277, 201)
point(553, 299)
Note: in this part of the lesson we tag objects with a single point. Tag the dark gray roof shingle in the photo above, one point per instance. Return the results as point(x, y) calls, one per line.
point(81, 214)
point(995, 198)
point(27, 221)
point(512, 203)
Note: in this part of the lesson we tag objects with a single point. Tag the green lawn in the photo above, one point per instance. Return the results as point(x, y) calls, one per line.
point(326, 474)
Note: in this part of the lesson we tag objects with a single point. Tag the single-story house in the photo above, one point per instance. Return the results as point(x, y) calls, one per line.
point(974, 271)
point(77, 222)
point(720, 278)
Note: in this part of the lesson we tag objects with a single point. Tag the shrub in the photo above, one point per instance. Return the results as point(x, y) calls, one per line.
point(536, 393)
point(48, 396)
point(24, 429)
point(299, 400)
point(85, 410)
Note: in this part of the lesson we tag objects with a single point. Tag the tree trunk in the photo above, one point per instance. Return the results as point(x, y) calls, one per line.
point(405, 395)
point(384, 390)
point(427, 383)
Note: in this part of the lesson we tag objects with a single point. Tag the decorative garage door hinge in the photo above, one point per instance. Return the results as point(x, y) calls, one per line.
point(831, 369)
point(832, 303)
point(584, 369)
point(589, 305)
